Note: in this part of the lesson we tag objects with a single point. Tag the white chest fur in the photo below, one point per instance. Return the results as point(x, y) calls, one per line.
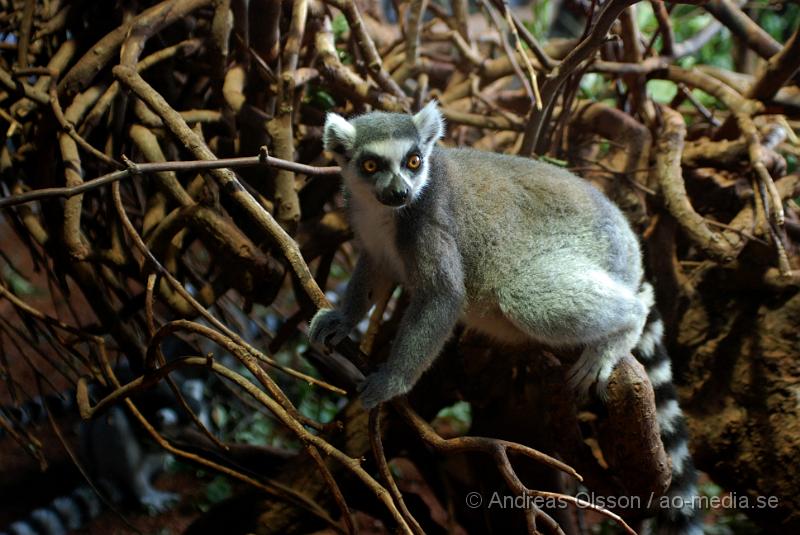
point(375, 227)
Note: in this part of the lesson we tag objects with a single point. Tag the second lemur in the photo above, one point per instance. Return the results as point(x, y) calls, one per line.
point(514, 248)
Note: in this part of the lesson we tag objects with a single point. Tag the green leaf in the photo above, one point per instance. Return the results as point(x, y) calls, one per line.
point(218, 489)
point(645, 18)
point(340, 26)
point(458, 415)
point(791, 164)
point(541, 11)
point(17, 283)
point(319, 98)
point(662, 91)
point(553, 161)
point(592, 84)
point(258, 432)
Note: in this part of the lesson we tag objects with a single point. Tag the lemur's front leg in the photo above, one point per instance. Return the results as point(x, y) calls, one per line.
point(436, 303)
point(331, 326)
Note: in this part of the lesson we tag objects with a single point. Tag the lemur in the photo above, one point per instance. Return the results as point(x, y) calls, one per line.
point(121, 462)
point(514, 248)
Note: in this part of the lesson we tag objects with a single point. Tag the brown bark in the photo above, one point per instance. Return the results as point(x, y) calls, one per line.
point(741, 392)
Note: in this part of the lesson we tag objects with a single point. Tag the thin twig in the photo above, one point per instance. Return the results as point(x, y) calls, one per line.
point(383, 467)
point(135, 169)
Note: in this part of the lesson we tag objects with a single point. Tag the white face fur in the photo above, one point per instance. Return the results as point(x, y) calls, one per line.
point(384, 156)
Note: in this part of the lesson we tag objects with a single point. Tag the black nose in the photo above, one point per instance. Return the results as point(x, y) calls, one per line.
point(394, 197)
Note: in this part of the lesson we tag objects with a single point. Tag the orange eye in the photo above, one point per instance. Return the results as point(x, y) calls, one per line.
point(414, 161)
point(369, 166)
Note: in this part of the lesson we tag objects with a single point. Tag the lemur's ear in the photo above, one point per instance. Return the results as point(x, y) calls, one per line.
point(429, 123)
point(338, 135)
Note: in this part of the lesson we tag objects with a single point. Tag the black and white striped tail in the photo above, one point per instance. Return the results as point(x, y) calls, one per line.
point(63, 515)
point(652, 353)
point(32, 411)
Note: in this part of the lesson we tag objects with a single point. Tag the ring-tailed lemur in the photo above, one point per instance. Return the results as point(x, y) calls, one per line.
point(514, 248)
point(121, 462)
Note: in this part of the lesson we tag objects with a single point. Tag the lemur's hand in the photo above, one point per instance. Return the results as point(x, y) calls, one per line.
point(382, 386)
point(157, 501)
point(329, 327)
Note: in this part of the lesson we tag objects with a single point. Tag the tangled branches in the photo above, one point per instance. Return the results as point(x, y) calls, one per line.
point(201, 121)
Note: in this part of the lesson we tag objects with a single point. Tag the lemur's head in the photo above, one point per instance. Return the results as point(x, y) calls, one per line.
point(386, 153)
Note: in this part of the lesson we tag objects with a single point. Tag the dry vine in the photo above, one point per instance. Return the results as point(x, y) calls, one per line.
point(201, 121)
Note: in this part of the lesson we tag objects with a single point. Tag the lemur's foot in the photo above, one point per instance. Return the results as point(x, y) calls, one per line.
point(382, 386)
point(586, 372)
point(329, 327)
point(582, 376)
point(158, 501)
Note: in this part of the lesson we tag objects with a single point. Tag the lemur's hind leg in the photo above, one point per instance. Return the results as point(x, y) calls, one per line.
point(141, 484)
point(580, 306)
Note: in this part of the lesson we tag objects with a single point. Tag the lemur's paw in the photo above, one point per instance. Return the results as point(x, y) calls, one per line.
point(582, 376)
point(329, 327)
point(382, 386)
point(157, 501)
point(588, 371)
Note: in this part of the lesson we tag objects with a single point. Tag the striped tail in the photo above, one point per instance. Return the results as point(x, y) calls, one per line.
point(32, 411)
point(63, 515)
point(652, 353)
